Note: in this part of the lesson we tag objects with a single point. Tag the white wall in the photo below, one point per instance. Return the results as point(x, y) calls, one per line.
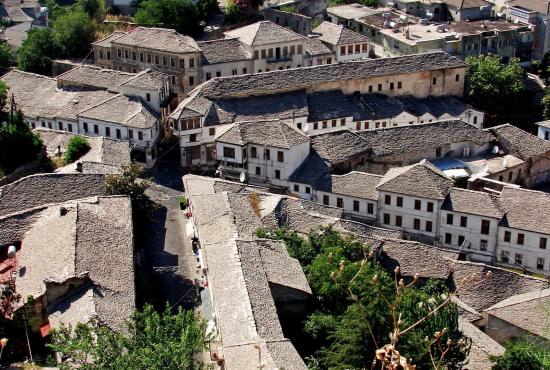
point(348, 204)
point(530, 249)
point(544, 133)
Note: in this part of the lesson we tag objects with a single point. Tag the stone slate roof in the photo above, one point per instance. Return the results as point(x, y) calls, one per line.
point(147, 80)
point(106, 41)
point(335, 34)
point(14, 226)
point(518, 142)
point(222, 51)
point(269, 133)
point(93, 242)
point(14, 13)
point(38, 96)
point(339, 146)
point(406, 139)
point(500, 285)
point(335, 104)
point(315, 47)
point(300, 78)
point(264, 33)
point(483, 346)
point(123, 110)
point(528, 311)
point(311, 170)
point(545, 124)
point(281, 106)
point(354, 184)
point(416, 258)
point(43, 189)
point(527, 210)
point(161, 39)
point(90, 76)
point(421, 179)
point(473, 202)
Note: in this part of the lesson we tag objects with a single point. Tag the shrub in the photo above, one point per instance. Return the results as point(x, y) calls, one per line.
point(232, 12)
point(77, 147)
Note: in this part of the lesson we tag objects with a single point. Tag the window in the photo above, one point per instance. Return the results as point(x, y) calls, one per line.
point(61, 126)
point(263, 54)
point(429, 226)
point(325, 200)
point(342, 50)
point(131, 134)
point(324, 124)
point(218, 73)
point(212, 131)
point(267, 154)
point(270, 53)
point(148, 97)
point(510, 174)
point(191, 80)
point(280, 156)
point(333, 123)
point(157, 60)
point(164, 61)
point(542, 243)
point(370, 88)
point(417, 204)
point(521, 238)
point(149, 58)
point(387, 199)
point(339, 202)
point(253, 152)
point(434, 81)
point(519, 258)
point(457, 78)
point(358, 126)
point(399, 201)
point(277, 174)
point(141, 57)
point(391, 86)
point(140, 135)
point(386, 218)
point(96, 129)
point(370, 208)
point(463, 221)
point(234, 72)
point(258, 171)
point(485, 227)
point(342, 122)
point(191, 63)
point(505, 256)
point(416, 224)
point(315, 125)
point(299, 49)
point(448, 238)
point(173, 80)
point(308, 190)
point(182, 63)
point(256, 54)
point(350, 49)
point(357, 48)
point(460, 240)
point(430, 207)
point(398, 220)
point(228, 152)
point(483, 245)
point(70, 127)
point(244, 71)
point(379, 87)
point(297, 188)
point(449, 219)
point(172, 62)
point(109, 55)
point(399, 85)
point(540, 263)
point(192, 138)
point(507, 236)
point(100, 54)
point(49, 125)
point(208, 75)
point(356, 206)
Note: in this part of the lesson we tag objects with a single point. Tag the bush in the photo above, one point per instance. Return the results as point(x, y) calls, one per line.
point(522, 355)
point(232, 13)
point(19, 145)
point(77, 147)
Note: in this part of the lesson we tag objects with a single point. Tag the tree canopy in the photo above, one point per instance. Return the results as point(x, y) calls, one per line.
point(494, 87)
point(152, 341)
point(181, 15)
point(76, 148)
point(73, 34)
point(357, 305)
point(7, 56)
point(36, 53)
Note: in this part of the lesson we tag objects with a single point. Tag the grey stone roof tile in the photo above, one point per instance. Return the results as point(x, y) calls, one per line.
point(527, 210)
point(263, 33)
point(339, 146)
point(94, 77)
point(222, 51)
point(106, 41)
point(335, 34)
point(161, 39)
point(473, 202)
point(518, 142)
point(354, 184)
point(315, 47)
point(269, 133)
point(148, 80)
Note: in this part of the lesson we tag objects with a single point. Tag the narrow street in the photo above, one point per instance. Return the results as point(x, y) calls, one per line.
point(169, 248)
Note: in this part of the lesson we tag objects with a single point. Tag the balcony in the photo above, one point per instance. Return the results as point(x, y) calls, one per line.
point(282, 58)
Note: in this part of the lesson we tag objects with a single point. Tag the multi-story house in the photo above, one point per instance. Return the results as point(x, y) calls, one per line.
point(543, 130)
point(224, 57)
point(267, 152)
point(283, 94)
point(272, 47)
point(317, 53)
point(537, 15)
point(344, 43)
point(160, 49)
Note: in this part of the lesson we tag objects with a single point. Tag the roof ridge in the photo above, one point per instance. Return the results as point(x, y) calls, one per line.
point(515, 303)
point(100, 103)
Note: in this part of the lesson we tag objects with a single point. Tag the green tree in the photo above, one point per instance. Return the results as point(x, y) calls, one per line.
point(73, 34)
point(19, 145)
point(7, 57)
point(129, 183)
point(522, 355)
point(545, 103)
point(95, 9)
point(232, 12)
point(76, 148)
point(181, 15)
point(36, 53)
point(152, 341)
point(494, 87)
point(207, 8)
